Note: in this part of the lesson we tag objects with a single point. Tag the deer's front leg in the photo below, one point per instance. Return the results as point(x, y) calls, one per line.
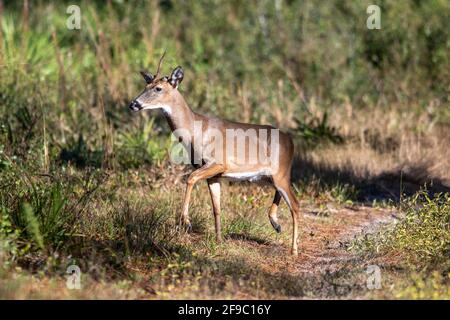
point(205, 172)
point(214, 190)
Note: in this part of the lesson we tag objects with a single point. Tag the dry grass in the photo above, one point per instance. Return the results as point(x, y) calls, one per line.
point(386, 134)
point(394, 152)
point(334, 183)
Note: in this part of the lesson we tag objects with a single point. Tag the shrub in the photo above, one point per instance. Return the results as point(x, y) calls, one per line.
point(423, 235)
point(43, 210)
point(433, 286)
point(317, 130)
point(140, 146)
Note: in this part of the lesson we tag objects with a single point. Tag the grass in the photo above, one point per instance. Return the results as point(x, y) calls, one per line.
point(82, 181)
point(418, 243)
point(422, 234)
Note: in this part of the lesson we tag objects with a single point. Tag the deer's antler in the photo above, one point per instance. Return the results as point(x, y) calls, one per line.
point(159, 65)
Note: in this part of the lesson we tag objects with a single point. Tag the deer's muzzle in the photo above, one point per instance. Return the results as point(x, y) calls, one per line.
point(135, 105)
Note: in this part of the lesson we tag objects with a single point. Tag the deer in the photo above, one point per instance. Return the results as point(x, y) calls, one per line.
point(162, 93)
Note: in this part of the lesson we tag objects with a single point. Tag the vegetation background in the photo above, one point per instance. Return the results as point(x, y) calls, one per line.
point(83, 181)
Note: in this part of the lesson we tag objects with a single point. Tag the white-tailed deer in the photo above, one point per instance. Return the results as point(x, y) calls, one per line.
point(199, 134)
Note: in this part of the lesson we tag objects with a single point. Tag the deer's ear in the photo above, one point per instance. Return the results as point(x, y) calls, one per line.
point(147, 77)
point(176, 77)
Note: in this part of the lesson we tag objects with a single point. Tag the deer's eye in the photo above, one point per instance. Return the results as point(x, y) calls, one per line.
point(158, 89)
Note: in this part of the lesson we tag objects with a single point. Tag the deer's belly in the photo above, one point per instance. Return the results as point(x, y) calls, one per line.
point(252, 176)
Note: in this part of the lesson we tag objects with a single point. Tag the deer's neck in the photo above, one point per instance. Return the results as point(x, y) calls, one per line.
point(179, 115)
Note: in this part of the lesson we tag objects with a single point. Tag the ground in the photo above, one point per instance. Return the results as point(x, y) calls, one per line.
point(125, 241)
point(85, 182)
point(325, 267)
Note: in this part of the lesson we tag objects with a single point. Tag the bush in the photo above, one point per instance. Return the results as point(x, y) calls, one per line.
point(317, 130)
point(141, 146)
point(423, 236)
point(433, 286)
point(42, 211)
point(9, 240)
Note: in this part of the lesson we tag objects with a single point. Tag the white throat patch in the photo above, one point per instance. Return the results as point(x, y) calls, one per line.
point(165, 108)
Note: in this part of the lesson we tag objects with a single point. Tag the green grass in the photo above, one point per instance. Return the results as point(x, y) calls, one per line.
point(415, 251)
point(242, 227)
point(423, 235)
point(141, 146)
point(83, 180)
point(431, 286)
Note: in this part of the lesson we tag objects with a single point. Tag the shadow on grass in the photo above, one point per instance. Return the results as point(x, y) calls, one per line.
point(78, 153)
point(108, 261)
point(249, 238)
point(111, 259)
point(168, 258)
point(385, 186)
point(239, 275)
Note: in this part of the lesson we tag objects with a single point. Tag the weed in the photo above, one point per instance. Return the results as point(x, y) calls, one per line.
point(241, 227)
point(433, 286)
point(344, 193)
point(423, 235)
point(141, 146)
point(362, 106)
point(317, 130)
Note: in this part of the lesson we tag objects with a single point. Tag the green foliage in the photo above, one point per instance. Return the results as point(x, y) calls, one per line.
point(316, 131)
point(9, 240)
point(434, 286)
point(141, 146)
point(5, 163)
point(242, 227)
point(263, 61)
point(82, 80)
point(425, 231)
point(43, 211)
point(32, 225)
point(423, 235)
point(43, 216)
point(344, 193)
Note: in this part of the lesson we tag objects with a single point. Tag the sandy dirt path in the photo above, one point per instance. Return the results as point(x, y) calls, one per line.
point(325, 268)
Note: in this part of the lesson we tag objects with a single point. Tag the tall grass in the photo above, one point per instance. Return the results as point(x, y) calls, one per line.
point(83, 79)
point(360, 103)
point(44, 209)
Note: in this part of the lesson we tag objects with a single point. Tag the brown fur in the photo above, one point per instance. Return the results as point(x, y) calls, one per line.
point(163, 93)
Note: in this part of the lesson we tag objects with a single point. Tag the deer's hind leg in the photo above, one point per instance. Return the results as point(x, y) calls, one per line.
point(284, 187)
point(273, 218)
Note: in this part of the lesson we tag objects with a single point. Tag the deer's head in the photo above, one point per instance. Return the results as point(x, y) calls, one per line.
point(159, 92)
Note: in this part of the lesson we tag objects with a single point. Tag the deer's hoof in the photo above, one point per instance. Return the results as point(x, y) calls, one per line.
point(278, 228)
point(275, 225)
point(186, 227)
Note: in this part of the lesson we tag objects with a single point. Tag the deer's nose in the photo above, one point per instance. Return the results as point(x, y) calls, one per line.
point(135, 105)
